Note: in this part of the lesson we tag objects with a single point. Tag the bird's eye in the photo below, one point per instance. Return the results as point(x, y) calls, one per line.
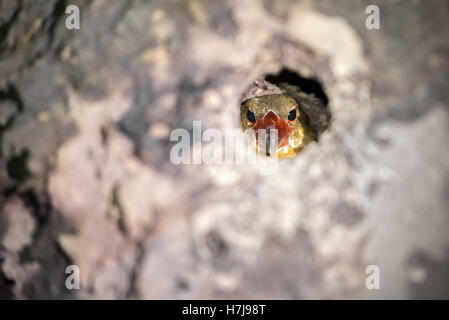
point(250, 116)
point(292, 116)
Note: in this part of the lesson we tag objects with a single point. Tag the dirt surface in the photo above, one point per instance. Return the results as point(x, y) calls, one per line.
point(85, 171)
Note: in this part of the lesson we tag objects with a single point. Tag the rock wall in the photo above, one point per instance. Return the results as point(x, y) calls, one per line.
point(85, 171)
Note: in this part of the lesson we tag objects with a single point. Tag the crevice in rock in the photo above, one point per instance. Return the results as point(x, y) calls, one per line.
point(17, 166)
point(132, 292)
point(6, 285)
point(10, 94)
point(117, 206)
point(6, 27)
point(56, 15)
point(40, 206)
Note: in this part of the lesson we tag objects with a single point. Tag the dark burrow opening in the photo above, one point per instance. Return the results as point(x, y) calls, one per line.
point(17, 166)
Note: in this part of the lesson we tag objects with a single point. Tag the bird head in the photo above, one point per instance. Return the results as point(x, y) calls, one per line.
point(274, 111)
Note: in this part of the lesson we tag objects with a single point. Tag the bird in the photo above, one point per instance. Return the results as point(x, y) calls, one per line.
point(265, 106)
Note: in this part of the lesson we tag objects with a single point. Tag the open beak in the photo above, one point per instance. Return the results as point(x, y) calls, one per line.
point(269, 122)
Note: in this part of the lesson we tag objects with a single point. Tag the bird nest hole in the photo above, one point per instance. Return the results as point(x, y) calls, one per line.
point(296, 107)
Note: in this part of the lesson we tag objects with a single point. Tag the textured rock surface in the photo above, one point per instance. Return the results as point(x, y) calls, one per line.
point(85, 176)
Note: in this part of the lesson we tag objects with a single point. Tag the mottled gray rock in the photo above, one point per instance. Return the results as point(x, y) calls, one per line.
point(85, 176)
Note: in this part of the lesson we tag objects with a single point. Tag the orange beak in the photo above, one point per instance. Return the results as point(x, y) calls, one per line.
point(272, 121)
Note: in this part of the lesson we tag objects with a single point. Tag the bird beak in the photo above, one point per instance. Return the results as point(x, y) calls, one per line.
point(269, 122)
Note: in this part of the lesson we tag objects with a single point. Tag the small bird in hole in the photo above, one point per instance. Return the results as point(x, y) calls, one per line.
point(266, 107)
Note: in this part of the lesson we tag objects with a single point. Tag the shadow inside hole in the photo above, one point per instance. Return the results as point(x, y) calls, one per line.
point(307, 85)
point(309, 94)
